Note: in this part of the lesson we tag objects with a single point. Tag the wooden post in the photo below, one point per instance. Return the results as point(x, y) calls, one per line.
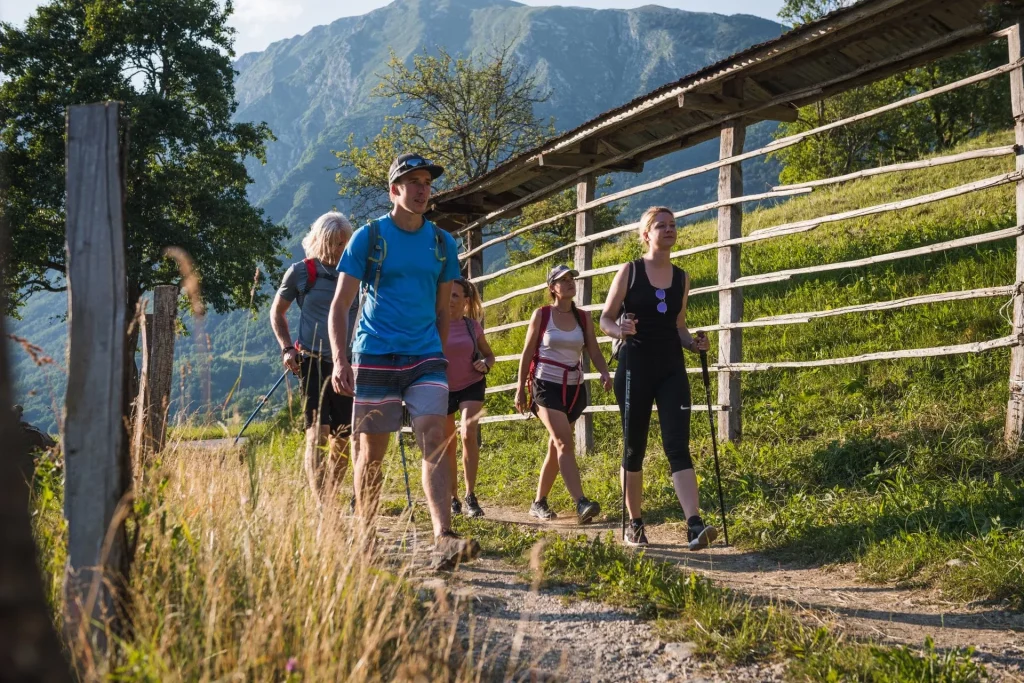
point(730, 301)
point(95, 437)
point(1015, 406)
point(583, 259)
point(161, 363)
point(475, 263)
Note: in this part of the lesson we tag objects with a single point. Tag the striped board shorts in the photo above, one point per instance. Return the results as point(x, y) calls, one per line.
point(383, 382)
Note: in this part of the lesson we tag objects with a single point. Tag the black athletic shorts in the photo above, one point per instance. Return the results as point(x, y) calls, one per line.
point(317, 391)
point(549, 395)
point(474, 392)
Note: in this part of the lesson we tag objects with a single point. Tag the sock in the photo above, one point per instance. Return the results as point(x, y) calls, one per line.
point(695, 521)
point(638, 522)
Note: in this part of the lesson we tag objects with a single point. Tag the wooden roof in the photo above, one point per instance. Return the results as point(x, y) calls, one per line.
point(847, 48)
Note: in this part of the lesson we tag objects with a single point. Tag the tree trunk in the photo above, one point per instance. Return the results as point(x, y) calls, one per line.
point(31, 650)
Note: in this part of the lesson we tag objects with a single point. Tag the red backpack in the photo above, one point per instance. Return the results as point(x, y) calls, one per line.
point(545, 320)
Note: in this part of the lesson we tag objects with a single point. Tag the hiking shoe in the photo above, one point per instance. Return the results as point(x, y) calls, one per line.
point(586, 510)
point(473, 508)
point(700, 535)
point(456, 507)
point(450, 549)
point(540, 510)
point(635, 536)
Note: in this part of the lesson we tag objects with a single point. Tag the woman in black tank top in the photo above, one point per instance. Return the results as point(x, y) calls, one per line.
point(647, 307)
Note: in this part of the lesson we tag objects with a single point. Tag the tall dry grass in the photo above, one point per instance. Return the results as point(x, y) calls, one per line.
point(238, 576)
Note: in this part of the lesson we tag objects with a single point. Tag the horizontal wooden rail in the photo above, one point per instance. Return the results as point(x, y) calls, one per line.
point(782, 275)
point(977, 347)
point(517, 417)
point(800, 318)
point(775, 146)
point(630, 227)
point(933, 162)
point(932, 352)
point(785, 229)
point(889, 207)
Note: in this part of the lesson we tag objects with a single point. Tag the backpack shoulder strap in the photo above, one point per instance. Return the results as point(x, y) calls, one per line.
point(311, 274)
point(440, 250)
point(472, 335)
point(376, 252)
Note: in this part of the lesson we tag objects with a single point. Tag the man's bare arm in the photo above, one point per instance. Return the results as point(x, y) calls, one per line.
point(337, 320)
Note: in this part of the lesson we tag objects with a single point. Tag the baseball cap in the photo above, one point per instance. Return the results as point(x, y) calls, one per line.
point(560, 271)
point(406, 163)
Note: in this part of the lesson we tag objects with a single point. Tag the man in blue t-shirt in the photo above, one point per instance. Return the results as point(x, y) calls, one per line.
point(397, 352)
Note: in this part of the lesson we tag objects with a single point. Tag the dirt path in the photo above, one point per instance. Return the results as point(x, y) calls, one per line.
point(834, 596)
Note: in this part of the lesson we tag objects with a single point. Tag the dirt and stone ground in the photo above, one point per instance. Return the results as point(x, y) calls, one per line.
point(550, 635)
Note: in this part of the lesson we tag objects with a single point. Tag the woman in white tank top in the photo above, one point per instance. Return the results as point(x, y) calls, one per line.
point(550, 368)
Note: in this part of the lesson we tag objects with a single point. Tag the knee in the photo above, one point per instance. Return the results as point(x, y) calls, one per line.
point(469, 430)
point(434, 443)
point(563, 447)
point(634, 461)
point(679, 460)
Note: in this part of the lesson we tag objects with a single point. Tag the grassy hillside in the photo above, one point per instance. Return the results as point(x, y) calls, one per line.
point(897, 465)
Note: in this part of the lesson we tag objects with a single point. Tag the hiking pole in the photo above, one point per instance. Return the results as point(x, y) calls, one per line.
point(714, 438)
point(265, 399)
point(625, 427)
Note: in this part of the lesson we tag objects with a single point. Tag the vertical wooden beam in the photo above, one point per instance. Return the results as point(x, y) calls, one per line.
point(474, 266)
point(583, 259)
point(161, 363)
point(730, 301)
point(1015, 406)
point(95, 436)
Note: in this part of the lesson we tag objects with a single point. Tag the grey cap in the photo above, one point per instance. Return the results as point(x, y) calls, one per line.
point(560, 271)
point(407, 163)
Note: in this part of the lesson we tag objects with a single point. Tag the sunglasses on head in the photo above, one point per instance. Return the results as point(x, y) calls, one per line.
point(416, 162)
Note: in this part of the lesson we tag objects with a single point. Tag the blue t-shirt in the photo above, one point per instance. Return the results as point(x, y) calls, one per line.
point(401, 317)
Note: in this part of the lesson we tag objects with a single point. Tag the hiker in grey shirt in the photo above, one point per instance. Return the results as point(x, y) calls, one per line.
point(311, 282)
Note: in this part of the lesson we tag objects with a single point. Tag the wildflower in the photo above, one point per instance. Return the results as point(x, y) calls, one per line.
point(292, 666)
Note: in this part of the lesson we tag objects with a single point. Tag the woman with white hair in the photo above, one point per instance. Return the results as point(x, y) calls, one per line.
point(311, 282)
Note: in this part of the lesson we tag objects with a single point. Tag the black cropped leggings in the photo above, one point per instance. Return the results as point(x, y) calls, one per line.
point(658, 380)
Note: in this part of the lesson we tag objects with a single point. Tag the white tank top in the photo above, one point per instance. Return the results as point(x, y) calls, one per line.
point(562, 347)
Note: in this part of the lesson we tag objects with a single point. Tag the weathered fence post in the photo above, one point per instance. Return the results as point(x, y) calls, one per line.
point(161, 363)
point(730, 301)
point(583, 259)
point(95, 437)
point(475, 263)
point(1015, 406)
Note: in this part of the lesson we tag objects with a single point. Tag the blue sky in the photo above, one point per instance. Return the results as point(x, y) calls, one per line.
point(261, 22)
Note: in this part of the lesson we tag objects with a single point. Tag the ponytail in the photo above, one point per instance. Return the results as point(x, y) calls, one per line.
point(474, 305)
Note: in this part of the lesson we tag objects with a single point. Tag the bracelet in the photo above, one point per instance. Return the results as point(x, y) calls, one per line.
point(289, 348)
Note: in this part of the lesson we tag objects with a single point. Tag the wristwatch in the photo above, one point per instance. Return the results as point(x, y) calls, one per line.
point(287, 349)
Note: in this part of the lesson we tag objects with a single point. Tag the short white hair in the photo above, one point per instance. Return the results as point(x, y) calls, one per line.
point(327, 232)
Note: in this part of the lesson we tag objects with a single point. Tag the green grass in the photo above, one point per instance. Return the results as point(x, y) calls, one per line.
point(895, 465)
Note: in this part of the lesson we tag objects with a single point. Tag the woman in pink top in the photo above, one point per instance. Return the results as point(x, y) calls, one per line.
point(469, 359)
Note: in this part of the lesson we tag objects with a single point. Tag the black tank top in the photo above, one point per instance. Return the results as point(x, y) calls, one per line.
point(656, 331)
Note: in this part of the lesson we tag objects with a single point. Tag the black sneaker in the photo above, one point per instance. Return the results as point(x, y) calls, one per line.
point(473, 508)
point(456, 507)
point(636, 535)
point(450, 549)
point(700, 535)
point(540, 510)
point(586, 510)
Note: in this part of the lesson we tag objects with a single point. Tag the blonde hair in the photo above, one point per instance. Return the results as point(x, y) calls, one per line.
point(647, 220)
point(475, 307)
point(329, 231)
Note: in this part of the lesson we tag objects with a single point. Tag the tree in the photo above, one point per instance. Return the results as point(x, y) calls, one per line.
point(468, 114)
point(169, 62)
point(936, 124)
point(561, 232)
